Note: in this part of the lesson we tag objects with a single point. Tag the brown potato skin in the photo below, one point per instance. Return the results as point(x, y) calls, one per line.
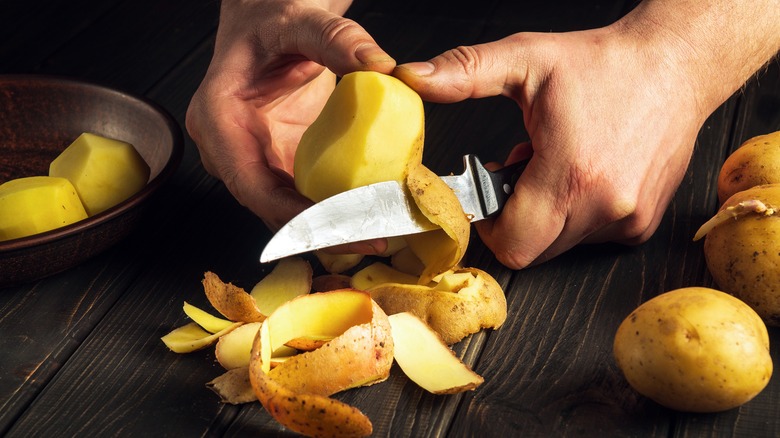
point(755, 162)
point(743, 255)
point(695, 349)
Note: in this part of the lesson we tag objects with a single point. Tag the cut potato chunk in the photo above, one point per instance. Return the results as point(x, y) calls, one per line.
point(104, 171)
point(426, 360)
point(37, 204)
point(370, 130)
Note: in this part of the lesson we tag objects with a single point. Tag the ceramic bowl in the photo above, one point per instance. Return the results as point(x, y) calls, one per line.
point(39, 117)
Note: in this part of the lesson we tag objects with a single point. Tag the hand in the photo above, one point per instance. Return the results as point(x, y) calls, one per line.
point(612, 129)
point(271, 73)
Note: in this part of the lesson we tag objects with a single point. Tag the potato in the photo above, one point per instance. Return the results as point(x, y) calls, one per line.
point(755, 162)
point(743, 252)
point(104, 171)
point(694, 350)
point(370, 130)
point(37, 204)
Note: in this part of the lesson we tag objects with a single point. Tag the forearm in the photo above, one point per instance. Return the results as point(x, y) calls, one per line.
point(717, 45)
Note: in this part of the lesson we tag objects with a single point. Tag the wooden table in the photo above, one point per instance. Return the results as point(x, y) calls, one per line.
point(80, 352)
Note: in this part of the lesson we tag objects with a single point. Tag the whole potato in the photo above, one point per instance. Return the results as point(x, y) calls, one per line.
point(695, 350)
point(755, 162)
point(743, 252)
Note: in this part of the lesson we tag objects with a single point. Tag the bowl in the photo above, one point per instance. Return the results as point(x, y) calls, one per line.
point(41, 116)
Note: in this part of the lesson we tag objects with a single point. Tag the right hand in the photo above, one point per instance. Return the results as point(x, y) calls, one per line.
point(273, 69)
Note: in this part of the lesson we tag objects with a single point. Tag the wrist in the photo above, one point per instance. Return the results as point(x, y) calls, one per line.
point(711, 47)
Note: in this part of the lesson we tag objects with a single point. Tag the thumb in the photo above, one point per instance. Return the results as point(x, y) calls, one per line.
point(338, 43)
point(464, 72)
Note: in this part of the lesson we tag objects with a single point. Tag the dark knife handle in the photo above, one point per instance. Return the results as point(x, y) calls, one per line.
point(494, 187)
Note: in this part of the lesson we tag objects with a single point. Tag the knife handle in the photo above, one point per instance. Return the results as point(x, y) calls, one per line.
point(494, 187)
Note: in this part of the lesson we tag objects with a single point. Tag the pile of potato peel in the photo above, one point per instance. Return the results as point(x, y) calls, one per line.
point(305, 346)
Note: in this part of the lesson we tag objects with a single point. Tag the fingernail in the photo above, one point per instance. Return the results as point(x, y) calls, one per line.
point(365, 248)
point(419, 68)
point(371, 54)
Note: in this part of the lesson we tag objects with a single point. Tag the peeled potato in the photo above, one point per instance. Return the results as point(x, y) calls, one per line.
point(755, 162)
point(370, 130)
point(37, 204)
point(104, 171)
point(695, 350)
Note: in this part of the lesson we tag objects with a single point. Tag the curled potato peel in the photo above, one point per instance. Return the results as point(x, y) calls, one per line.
point(360, 353)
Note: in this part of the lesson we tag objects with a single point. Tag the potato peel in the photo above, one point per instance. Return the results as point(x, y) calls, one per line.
point(734, 212)
point(233, 302)
point(453, 313)
point(426, 360)
point(295, 392)
point(209, 322)
point(291, 277)
point(191, 337)
point(439, 250)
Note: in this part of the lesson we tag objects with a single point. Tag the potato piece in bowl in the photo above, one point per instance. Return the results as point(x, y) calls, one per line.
point(695, 350)
point(37, 204)
point(104, 171)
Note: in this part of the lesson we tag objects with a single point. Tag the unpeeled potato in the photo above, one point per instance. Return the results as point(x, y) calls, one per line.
point(695, 350)
point(743, 252)
point(755, 162)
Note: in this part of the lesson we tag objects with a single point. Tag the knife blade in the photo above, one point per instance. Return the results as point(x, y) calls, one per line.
point(386, 209)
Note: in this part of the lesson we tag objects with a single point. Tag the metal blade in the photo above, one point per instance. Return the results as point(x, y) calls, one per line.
point(369, 212)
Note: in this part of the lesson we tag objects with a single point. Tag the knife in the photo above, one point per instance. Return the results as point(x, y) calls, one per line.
point(386, 209)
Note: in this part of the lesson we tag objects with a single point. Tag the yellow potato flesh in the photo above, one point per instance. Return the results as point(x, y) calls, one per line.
point(426, 360)
point(695, 350)
point(104, 171)
point(37, 204)
point(370, 130)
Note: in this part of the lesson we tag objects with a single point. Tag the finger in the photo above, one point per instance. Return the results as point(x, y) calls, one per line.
point(337, 43)
point(464, 72)
point(530, 222)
